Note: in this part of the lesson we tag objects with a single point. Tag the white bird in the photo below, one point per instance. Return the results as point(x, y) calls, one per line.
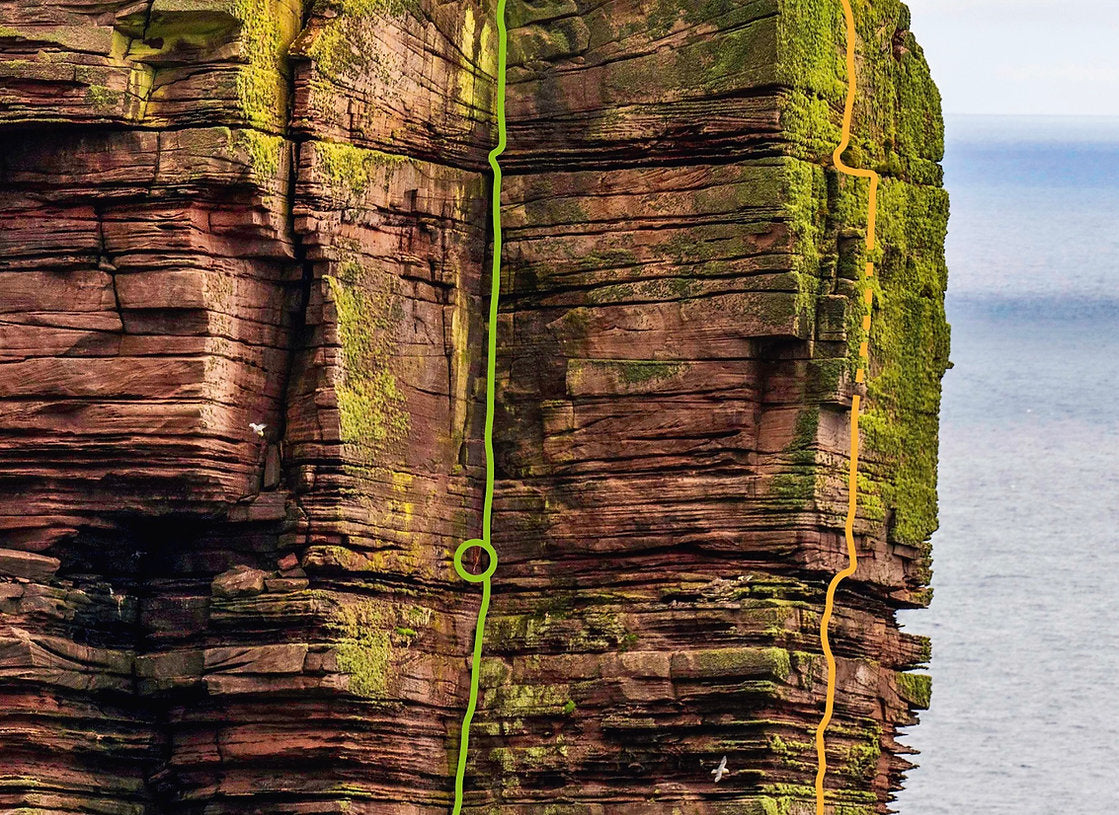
point(258, 428)
point(721, 770)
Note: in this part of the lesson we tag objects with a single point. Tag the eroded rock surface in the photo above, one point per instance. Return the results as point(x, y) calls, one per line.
point(222, 212)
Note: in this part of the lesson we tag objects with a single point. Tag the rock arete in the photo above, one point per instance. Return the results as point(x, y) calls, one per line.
point(222, 212)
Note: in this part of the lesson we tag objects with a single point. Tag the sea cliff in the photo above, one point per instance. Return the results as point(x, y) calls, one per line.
point(222, 212)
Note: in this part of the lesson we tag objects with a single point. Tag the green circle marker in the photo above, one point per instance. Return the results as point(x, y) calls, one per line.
point(487, 437)
point(484, 546)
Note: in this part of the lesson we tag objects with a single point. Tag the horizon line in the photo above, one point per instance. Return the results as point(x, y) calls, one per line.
point(1034, 115)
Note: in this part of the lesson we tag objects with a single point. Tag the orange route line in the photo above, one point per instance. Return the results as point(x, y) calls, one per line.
point(860, 377)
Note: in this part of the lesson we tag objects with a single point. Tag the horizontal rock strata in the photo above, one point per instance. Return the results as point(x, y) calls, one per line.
point(243, 272)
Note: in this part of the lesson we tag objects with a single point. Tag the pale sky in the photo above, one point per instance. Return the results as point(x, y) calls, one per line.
point(1057, 57)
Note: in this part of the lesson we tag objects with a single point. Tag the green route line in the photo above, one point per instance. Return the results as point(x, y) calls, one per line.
point(491, 376)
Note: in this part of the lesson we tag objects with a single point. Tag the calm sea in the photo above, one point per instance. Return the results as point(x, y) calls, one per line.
point(1025, 617)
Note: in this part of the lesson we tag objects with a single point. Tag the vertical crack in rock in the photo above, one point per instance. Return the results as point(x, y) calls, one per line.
point(105, 264)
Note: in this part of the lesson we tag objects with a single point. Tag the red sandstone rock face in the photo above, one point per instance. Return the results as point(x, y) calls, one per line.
point(253, 211)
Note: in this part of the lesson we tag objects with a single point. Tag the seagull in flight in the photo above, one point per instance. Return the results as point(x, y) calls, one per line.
point(258, 428)
point(721, 770)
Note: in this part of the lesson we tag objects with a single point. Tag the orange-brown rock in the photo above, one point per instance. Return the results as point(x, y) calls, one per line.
point(244, 254)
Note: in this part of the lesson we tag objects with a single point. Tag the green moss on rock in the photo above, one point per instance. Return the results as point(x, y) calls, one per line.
point(364, 648)
point(636, 371)
point(909, 353)
point(371, 403)
point(347, 42)
point(102, 98)
point(797, 482)
point(898, 131)
point(349, 170)
point(370, 634)
point(265, 153)
point(267, 28)
point(916, 689)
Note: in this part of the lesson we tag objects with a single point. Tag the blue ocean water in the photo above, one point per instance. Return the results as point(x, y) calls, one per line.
point(1025, 616)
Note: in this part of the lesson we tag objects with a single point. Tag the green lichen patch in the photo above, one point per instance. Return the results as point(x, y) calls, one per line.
point(369, 634)
point(519, 700)
point(663, 289)
point(807, 214)
point(636, 371)
point(350, 170)
point(916, 689)
point(810, 47)
point(897, 130)
point(265, 153)
point(640, 370)
point(371, 404)
point(589, 630)
point(348, 42)
point(204, 26)
point(898, 127)
point(373, 8)
point(556, 39)
point(334, 557)
point(364, 647)
point(771, 663)
point(261, 31)
point(793, 754)
point(102, 99)
point(267, 28)
point(799, 799)
point(909, 354)
point(810, 124)
point(797, 482)
point(861, 759)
